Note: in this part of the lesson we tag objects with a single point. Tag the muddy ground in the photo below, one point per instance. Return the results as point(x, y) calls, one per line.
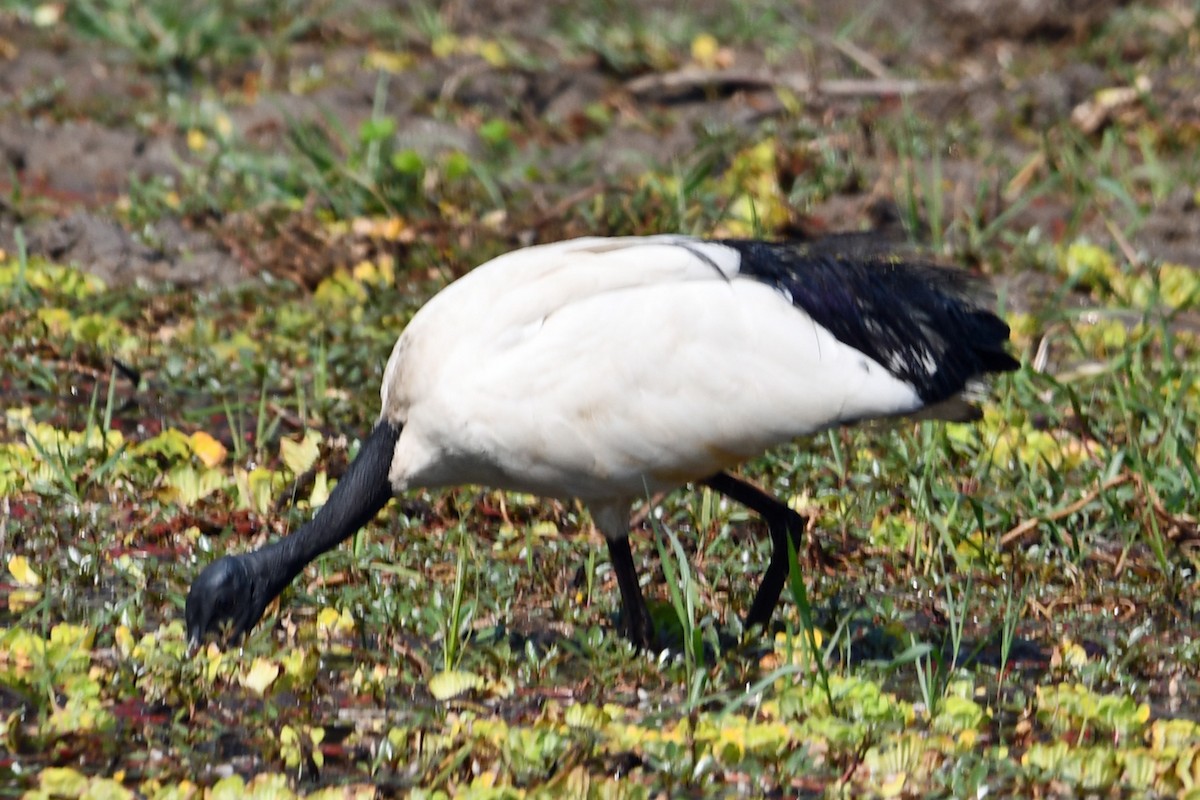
point(81, 120)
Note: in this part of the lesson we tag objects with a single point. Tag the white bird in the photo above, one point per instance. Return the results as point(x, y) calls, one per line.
point(607, 369)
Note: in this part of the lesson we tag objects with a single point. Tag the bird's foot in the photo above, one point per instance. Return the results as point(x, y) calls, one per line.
point(638, 629)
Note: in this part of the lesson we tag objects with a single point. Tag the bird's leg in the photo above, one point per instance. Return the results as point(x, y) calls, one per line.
point(612, 518)
point(636, 624)
point(783, 524)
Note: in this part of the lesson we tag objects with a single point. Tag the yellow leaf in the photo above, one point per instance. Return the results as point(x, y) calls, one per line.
point(330, 621)
point(300, 456)
point(255, 488)
point(704, 49)
point(231, 788)
point(320, 492)
point(56, 320)
point(72, 638)
point(445, 45)
point(269, 786)
point(351, 792)
point(374, 273)
point(62, 782)
point(1089, 264)
point(189, 486)
point(502, 687)
point(196, 139)
point(223, 125)
point(492, 52)
point(46, 15)
point(1179, 285)
point(1173, 734)
point(340, 290)
point(1071, 655)
point(107, 789)
point(894, 785)
point(207, 449)
point(450, 684)
point(20, 600)
point(586, 716)
point(261, 675)
point(300, 664)
point(389, 60)
point(326, 617)
point(22, 572)
point(123, 638)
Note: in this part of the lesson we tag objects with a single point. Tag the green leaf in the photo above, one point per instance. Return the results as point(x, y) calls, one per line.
point(457, 166)
point(376, 129)
point(408, 162)
point(495, 132)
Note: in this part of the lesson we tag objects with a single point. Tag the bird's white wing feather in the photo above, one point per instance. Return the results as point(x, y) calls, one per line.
point(503, 298)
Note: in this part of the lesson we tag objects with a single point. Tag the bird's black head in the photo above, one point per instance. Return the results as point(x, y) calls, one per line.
point(228, 593)
point(234, 591)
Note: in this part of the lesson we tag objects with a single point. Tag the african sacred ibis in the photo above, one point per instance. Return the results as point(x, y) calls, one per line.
point(607, 369)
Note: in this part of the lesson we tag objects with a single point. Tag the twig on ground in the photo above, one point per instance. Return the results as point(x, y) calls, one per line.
point(691, 79)
point(1031, 524)
point(864, 59)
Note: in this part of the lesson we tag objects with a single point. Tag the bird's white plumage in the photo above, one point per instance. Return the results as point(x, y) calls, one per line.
point(608, 368)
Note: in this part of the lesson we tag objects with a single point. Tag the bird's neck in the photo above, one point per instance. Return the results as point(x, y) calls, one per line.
point(361, 493)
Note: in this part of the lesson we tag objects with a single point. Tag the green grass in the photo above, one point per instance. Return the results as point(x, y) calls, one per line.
point(1008, 606)
point(918, 516)
point(186, 41)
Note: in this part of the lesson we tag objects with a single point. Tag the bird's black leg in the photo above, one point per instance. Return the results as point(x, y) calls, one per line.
point(635, 617)
point(782, 522)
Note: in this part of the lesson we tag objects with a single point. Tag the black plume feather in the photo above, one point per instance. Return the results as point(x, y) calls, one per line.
point(927, 324)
